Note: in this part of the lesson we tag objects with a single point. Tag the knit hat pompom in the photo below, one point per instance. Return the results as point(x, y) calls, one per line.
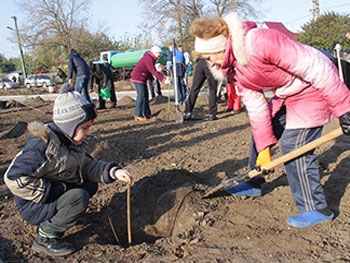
point(71, 109)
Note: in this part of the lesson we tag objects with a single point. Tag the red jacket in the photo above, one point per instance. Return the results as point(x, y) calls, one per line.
point(145, 69)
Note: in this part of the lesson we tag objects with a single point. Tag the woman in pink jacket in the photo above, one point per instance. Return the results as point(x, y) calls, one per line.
point(305, 83)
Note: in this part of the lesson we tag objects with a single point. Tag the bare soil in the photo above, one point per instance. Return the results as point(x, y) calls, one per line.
point(174, 164)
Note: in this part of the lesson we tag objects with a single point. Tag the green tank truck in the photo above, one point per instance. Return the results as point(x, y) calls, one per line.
point(123, 62)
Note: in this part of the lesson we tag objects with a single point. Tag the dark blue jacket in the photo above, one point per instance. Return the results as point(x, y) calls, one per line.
point(47, 166)
point(77, 65)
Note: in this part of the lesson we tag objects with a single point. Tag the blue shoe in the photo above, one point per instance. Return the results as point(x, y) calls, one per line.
point(244, 189)
point(307, 219)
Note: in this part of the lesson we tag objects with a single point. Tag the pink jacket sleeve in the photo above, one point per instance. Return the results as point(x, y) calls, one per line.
point(260, 117)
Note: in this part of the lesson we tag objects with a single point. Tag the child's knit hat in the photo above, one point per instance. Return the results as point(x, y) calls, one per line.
point(71, 109)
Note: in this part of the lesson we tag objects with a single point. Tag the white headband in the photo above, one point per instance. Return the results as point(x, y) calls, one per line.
point(211, 45)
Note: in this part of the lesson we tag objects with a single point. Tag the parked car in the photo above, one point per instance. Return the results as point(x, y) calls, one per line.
point(38, 80)
point(6, 83)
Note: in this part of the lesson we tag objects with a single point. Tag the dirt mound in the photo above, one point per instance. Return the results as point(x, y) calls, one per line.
point(123, 85)
point(31, 103)
point(16, 131)
point(159, 100)
point(170, 113)
point(126, 101)
point(102, 149)
point(173, 208)
point(202, 100)
point(35, 101)
point(10, 104)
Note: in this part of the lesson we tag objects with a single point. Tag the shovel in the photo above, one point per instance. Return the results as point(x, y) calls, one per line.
point(179, 115)
point(236, 180)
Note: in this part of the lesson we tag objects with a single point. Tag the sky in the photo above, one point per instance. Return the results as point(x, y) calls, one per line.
point(122, 17)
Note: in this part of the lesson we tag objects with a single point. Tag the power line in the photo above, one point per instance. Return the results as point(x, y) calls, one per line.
point(329, 7)
point(336, 6)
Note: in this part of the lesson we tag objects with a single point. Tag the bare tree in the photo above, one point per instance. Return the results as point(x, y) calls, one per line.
point(53, 22)
point(52, 27)
point(172, 18)
point(245, 8)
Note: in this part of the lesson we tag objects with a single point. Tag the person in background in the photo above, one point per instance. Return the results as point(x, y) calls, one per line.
point(304, 82)
point(186, 55)
point(154, 84)
point(202, 73)
point(188, 64)
point(180, 72)
point(103, 77)
point(142, 72)
point(78, 68)
point(53, 177)
point(62, 75)
point(233, 100)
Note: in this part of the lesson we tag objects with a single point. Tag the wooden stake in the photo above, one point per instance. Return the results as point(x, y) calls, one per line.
point(112, 227)
point(128, 214)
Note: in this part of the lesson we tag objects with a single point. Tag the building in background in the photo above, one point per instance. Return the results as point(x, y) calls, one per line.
point(280, 27)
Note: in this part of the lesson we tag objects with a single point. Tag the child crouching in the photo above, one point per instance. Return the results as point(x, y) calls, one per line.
point(53, 177)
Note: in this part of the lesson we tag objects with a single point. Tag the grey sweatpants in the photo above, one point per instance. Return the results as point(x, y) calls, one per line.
point(70, 206)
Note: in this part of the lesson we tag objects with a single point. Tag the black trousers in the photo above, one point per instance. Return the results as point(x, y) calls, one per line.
point(70, 206)
point(202, 73)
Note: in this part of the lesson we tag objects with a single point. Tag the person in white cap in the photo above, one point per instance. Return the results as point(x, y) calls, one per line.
point(143, 71)
point(53, 177)
point(305, 84)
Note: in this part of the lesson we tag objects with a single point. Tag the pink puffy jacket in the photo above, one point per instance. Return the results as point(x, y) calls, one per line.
point(301, 77)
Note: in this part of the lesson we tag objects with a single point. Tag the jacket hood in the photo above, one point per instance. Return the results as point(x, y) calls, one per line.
point(238, 31)
point(46, 131)
point(74, 54)
point(40, 130)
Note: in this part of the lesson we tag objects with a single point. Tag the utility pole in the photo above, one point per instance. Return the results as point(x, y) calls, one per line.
point(24, 72)
point(315, 10)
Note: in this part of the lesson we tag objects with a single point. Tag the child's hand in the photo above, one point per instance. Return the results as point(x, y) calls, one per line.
point(121, 174)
